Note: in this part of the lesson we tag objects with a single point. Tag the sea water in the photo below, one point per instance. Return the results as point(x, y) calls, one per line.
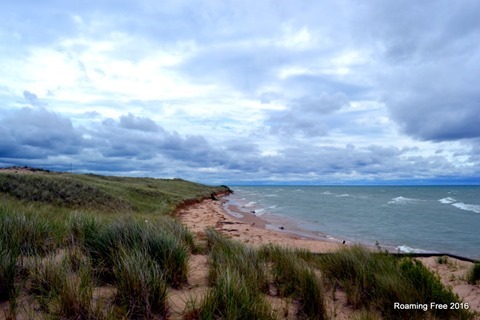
point(442, 219)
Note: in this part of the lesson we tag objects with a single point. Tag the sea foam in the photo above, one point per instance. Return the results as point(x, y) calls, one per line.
point(401, 200)
point(447, 200)
point(407, 249)
point(468, 207)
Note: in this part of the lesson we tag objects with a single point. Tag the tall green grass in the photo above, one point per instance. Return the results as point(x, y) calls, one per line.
point(164, 242)
point(8, 274)
point(141, 285)
point(238, 278)
point(28, 234)
point(232, 297)
point(377, 280)
point(246, 260)
point(61, 290)
point(293, 277)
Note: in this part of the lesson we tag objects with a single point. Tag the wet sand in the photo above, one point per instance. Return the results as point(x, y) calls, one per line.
point(247, 228)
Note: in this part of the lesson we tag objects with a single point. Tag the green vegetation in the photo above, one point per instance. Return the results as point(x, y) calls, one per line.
point(238, 278)
point(294, 278)
point(442, 260)
point(104, 193)
point(65, 236)
point(474, 274)
point(375, 280)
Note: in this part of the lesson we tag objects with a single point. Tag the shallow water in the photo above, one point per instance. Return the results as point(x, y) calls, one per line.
point(410, 218)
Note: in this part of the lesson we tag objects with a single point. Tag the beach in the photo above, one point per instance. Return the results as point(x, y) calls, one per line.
point(247, 228)
point(253, 230)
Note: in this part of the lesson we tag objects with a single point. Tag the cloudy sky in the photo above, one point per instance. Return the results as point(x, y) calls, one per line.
point(257, 91)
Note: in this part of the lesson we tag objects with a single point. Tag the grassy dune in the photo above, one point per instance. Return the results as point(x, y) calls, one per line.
point(94, 247)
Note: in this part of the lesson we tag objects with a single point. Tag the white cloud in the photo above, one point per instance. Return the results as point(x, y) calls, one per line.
point(251, 90)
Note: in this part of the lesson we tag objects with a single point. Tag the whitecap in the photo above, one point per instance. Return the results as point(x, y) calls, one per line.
point(343, 195)
point(401, 200)
point(447, 200)
point(468, 207)
point(327, 192)
point(407, 249)
point(250, 204)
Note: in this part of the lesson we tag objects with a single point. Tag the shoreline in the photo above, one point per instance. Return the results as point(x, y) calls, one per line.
point(253, 230)
point(247, 228)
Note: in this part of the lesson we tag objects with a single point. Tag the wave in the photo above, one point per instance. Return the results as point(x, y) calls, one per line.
point(401, 200)
point(468, 207)
point(343, 195)
point(447, 200)
point(407, 249)
point(250, 204)
point(460, 205)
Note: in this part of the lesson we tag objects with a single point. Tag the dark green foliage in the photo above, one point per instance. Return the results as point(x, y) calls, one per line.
point(474, 273)
point(8, 273)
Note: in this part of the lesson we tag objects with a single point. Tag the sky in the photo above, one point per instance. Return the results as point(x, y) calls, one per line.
point(243, 92)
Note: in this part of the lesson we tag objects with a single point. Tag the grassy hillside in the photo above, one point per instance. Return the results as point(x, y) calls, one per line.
point(108, 194)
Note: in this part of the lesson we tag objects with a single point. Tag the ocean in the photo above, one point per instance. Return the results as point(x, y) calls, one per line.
point(442, 219)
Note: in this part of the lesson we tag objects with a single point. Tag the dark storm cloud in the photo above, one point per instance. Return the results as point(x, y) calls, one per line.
point(31, 132)
point(306, 115)
point(431, 53)
point(138, 123)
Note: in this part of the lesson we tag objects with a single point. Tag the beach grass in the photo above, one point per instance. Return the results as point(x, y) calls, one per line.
point(238, 280)
point(375, 280)
point(473, 275)
point(293, 277)
point(63, 236)
point(141, 285)
point(61, 289)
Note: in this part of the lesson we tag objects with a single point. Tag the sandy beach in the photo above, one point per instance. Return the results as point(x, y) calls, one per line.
point(248, 228)
point(253, 230)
